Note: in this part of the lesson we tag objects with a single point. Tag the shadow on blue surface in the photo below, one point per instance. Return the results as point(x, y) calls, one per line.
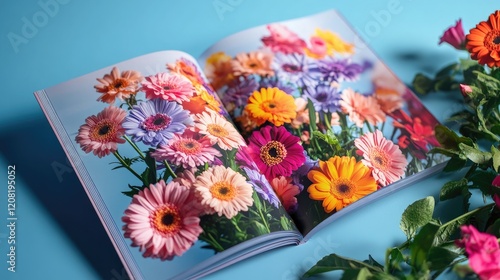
point(46, 172)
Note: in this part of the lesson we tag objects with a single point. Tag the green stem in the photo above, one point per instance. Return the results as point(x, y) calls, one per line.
point(122, 161)
point(168, 171)
point(369, 127)
point(470, 213)
point(214, 243)
point(264, 220)
point(135, 147)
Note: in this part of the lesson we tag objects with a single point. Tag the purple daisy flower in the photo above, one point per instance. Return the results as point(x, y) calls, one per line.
point(155, 121)
point(324, 97)
point(239, 90)
point(268, 82)
point(299, 176)
point(262, 186)
point(334, 70)
point(293, 68)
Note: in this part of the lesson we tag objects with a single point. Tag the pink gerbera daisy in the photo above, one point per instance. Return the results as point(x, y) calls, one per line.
point(224, 190)
point(101, 134)
point(385, 158)
point(219, 130)
point(361, 108)
point(162, 221)
point(172, 87)
point(118, 85)
point(275, 151)
point(286, 191)
point(188, 150)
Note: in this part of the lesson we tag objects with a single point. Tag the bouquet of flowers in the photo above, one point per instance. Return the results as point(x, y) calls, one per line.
point(308, 117)
point(189, 181)
point(432, 246)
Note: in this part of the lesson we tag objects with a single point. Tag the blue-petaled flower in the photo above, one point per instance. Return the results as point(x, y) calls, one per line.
point(156, 121)
point(324, 97)
point(298, 176)
point(293, 68)
point(336, 70)
point(262, 186)
point(239, 90)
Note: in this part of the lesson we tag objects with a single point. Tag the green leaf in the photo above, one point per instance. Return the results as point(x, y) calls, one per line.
point(395, 259)
point(335, 262)
point(259, 228)
point(358, 274)
point(490, 82)
point(371, 261)
point(474, 154)
point(446, 152)
point(449, 139)
point(257, 202)
point(420, 248)
point(452, 189)
point(482, 180)
point(422, 84)
point(440, 258)
point(454, 164)
point(447, 71)
point(312, 116)
point(495, 228)
point(496, 158)
point(416, 215)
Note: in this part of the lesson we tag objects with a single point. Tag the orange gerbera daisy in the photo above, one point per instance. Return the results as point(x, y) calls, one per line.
point(339, 182)
point(201, 101)
point(272, 105)
point(116, 84)
point(483, 42)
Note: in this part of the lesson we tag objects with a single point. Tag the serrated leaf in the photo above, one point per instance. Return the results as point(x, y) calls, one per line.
point(440, 258)
point(496, 158)
point(421, 246)
point(416, 215)
point(335, 262)
point(452, 189)
point(474, 154)
point(449, 139)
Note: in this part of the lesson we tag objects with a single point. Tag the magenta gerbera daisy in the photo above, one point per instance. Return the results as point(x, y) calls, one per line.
point(162, 221)
point(187, 150)
point(219, 130)
point(276, 151)
point(224, 190)
point(101, 134)
point(171, 87)
point(385, 158)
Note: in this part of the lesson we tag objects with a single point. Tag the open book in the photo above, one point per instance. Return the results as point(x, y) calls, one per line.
point(272, 133)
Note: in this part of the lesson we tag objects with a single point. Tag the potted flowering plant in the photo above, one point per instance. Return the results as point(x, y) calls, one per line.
point(467, 244)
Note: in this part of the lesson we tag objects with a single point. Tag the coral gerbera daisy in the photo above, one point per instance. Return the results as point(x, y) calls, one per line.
point(339, 182)
point(483, 41)
point(187, 150)
point(275, 151)
point(384, 157)
point(155, 121)
point(186, 68)
point(201, 101)
point(361, 108)
point(162, 221)
point(101, 134)
point(171, 87)
point(224, 190)
point(272, 105)
point(257, 62)
point(286, 192)
point(219, 130)
point(118, 85)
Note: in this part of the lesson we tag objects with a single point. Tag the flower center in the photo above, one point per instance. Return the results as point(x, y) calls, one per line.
point(223, 191)
point(252, 65)
point(342, 188)
point(492, 40)
point(188, 146)
point(322, 96)
point(119, 83)
point(291, 68)
point(157, 122)
point(269, 106)
point(217, 130)
point(166, 220)
point(103, 132)
point(379, 160)
point(273, 153)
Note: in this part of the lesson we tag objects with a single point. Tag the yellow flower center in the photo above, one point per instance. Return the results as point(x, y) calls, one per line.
point(492, 40)
point(188, 146)
point(166, 220)
point(379, 160)
point(217, 130)
point(223, 191)
point(342, 188)
point(273, 153)
point(103, 132)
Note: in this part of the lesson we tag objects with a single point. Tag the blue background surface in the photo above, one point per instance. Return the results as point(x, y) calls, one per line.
point(58, 235)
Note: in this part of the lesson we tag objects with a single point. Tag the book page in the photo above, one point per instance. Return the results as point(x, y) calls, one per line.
point(324, 119)
point(161, 162)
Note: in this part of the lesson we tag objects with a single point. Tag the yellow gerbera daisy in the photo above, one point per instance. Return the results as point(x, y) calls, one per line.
point(339, 182)
point(334, 44)
point(272, 105)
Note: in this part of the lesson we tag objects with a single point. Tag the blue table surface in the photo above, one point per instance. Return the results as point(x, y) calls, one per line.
point(45, 42)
